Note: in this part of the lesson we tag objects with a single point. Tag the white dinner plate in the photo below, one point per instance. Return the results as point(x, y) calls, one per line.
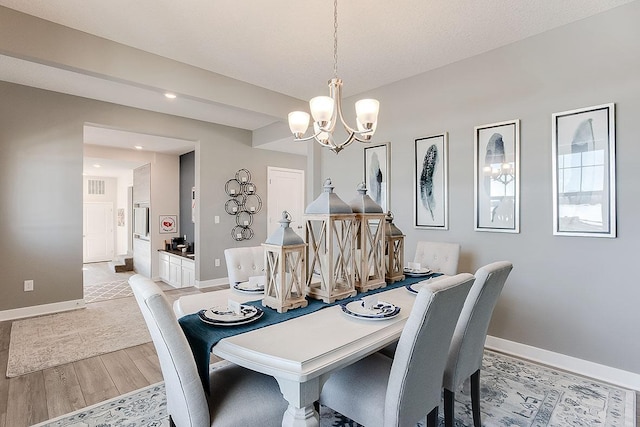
point(244, 287)
point(381, 311)
point(416, 272)
point(236, 323)
point(222, 314)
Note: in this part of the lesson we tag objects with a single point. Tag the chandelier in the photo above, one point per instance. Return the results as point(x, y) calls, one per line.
point(327, 110)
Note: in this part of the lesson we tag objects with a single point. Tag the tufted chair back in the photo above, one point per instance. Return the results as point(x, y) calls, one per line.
point(438, 256)
point(243, 263)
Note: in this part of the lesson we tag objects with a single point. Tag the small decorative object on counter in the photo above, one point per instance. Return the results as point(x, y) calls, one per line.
point(329, 233)
point(394, 253)
point(285, 268)
point(243, 204)
point(369, 260)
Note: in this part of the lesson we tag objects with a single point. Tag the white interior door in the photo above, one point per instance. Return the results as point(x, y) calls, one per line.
point(97, 232)
point(285, 192)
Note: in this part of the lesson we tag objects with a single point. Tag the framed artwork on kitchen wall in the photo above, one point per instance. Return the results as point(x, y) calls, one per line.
point(584, 179)
point(497, 177)
point(430, 189)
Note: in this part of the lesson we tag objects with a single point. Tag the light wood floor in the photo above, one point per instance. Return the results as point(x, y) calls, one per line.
point(42, 395)
point(46, 394)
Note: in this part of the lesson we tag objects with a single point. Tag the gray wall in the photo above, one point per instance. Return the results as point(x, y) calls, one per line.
point(571, 295)
point(41, 186)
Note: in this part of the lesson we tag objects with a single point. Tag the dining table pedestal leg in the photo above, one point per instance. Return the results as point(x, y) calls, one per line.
point(301, 397)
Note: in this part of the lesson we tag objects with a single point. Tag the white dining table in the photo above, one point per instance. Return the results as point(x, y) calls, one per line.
point(301, 353)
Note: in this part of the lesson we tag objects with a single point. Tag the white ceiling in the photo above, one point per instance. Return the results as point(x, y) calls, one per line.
point(284, 45)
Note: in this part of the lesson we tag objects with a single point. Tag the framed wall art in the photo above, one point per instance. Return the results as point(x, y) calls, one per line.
point(168, 224)
point(430, 193)
point(584, 184)
point(497, 177)
point(377, 161)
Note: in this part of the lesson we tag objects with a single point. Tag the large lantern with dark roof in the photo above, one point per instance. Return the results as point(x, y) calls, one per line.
point(330, 239)
point(369, 260)
point(285, 268)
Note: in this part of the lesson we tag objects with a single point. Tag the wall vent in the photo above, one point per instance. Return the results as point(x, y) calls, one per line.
point(95, 187)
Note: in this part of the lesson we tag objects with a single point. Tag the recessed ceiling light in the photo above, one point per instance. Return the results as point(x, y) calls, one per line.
point(138, 147)
point(170, 95)
point(97, 166)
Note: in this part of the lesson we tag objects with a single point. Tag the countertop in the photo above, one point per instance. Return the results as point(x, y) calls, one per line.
point(187, 255)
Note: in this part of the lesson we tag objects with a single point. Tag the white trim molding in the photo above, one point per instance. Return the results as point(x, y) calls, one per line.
point(200, 284)
point(39, 310)
point(597, 371)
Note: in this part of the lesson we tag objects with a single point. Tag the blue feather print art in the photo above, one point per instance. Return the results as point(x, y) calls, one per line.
point(429, 165)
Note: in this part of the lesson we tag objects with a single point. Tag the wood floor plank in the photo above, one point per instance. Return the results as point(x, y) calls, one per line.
point(4, 382)
point(145, 358)
point(124, 373)
point(94, 380)
point(5, 335)
point(27, 403)
point(63, 390)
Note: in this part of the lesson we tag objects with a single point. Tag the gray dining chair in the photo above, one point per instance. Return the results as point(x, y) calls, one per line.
point(467, 344)
point(243, 263)
point(440, 257)
point(380, 391)
point(237, 396)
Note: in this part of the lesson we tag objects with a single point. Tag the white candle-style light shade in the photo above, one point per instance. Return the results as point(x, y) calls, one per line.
point(367, 112)
point(322, 109)
point(298, 122)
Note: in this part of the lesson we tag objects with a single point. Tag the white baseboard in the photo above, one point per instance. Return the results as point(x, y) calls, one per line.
point(604, 373)
point(39, 310)
point(200, 284)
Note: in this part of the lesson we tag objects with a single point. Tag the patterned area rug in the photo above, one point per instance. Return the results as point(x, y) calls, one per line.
point(107, 291)
point(514, 393)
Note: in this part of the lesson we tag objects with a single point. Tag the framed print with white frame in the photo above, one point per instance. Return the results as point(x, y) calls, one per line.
point(377, 168)
point(430, 183)
point(584, 179)
point(497, 177)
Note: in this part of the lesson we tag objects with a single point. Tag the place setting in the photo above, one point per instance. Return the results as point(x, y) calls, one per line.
point(255, 285)
point(414, 269)
point(233, 314)
point(370, 308)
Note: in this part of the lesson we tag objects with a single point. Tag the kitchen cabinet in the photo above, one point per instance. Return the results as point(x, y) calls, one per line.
point(177, 270)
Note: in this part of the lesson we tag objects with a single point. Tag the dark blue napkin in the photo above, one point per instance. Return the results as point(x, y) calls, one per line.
point(202, 337)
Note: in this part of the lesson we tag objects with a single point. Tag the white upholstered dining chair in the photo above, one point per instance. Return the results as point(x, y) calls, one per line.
point(467, 344)
point(243, 263)
point(237, 397)
point(440, 257)
point(380, 391)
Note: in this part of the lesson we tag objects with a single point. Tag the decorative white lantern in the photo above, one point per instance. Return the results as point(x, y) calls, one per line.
point(330, 238)
point(369, 260)
point(394, 253)
point(285, 268)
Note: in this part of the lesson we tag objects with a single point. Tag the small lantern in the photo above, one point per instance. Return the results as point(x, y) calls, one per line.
point(329, 232)
point(285, 268)
point(394, 253)
point(369, 260)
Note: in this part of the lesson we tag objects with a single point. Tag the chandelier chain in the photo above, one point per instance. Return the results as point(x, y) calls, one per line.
point(335, 38)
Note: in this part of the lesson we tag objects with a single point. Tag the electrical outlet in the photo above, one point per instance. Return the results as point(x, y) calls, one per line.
point(216, 219)
point(28, 285)
point(217, 262)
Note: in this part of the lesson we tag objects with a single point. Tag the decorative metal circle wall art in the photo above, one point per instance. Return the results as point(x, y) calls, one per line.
point(244, 202)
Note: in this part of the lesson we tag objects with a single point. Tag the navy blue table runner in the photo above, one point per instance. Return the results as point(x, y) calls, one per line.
point(202, 337)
